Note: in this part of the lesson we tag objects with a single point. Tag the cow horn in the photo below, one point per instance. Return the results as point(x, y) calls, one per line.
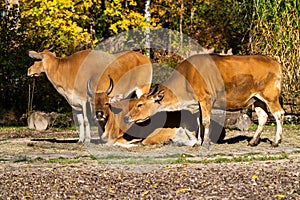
point(42, 46)
point(111, 85)
point(153, 91)
point(89, 90)
point(51, 48)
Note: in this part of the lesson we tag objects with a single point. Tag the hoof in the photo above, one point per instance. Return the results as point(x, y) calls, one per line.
point(279, 141)
point(207, 144)
point(253, 143)
point(198, 143)
point(273, 144)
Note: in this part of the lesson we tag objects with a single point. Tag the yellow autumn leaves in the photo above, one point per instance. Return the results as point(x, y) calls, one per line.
point(56, 20)
point(67, 23)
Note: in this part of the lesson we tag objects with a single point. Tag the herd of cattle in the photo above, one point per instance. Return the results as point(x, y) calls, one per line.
point(116, 89)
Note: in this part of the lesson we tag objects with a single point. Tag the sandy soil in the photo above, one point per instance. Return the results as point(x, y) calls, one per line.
point(51, 165)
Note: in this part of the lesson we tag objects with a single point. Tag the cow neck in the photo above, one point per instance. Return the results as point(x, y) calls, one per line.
point(51, 69)
point(111, 127)
point(169, 102)
point(61, 72)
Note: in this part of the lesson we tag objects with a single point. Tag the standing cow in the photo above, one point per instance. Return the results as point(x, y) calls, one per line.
point(69, 76)
point(226, 82)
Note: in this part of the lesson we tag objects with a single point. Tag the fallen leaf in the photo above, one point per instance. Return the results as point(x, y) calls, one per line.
point(145, 193)
point(254, 176)
point(280, 195)
point(182, 190)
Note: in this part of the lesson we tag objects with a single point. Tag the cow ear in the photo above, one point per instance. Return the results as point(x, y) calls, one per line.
point(157, 97)
point(35, 55)
point(116, 98)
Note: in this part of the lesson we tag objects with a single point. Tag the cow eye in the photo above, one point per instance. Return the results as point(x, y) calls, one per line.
point(107, 104)
point(139, 105)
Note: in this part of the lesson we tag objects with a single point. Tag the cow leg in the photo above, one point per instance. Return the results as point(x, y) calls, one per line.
point(87, 130)
point(121, 142)
point(86, 122)
point(81, 127)
point(199, 132)
point(160, 135)
point(262, 119)
point(205, 110)
point(278, 114)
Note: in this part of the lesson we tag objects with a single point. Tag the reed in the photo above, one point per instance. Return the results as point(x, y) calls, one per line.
point(275, 32)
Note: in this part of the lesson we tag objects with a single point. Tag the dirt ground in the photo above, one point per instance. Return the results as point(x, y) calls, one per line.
point(52, 165)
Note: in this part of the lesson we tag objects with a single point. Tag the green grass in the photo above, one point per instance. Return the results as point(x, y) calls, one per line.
point(185, 159)
point(136, 160)
point(249, 157)
point(253, 126)
point(172, 159)
point(60, 160)
point(25, 128)
point(13, 128)
point(23, 159)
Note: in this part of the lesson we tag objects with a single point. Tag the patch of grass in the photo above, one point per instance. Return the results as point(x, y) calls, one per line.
point(38, 159)
point(292, 126)
point(93, 157)
point(62, 160)
point(220, 154)
point(23, 159)
point(241, 158)
point(13, 128)
point(253, 126)
point(24, 128)
point(134, 160)
point(70, 128)
point(186, 158)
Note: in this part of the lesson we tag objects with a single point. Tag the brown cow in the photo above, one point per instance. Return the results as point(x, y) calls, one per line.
point(69, 76)
point(228, 82)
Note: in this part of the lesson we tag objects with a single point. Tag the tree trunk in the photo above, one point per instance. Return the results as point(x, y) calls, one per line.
point(148, 19)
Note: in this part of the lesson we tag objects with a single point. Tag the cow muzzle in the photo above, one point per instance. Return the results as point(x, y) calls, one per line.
point(128, 120)
point(100, 116)
point(30, 74)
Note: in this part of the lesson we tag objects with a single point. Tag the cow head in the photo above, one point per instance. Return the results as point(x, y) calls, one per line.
point(101, 101)
point(145, 107)
point(38, 67)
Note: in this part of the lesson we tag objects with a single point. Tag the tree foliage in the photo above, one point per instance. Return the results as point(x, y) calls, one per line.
point(276, 32)
point(214, 24)
point(123, 15)
point(63, 23)
point(248, 27)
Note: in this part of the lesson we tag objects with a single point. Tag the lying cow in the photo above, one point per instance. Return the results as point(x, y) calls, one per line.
point(163, 127)
point(69, 76)
point(202, 82)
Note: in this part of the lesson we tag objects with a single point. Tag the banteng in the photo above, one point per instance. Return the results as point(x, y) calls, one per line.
point(202, 82)
point(69, 76)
